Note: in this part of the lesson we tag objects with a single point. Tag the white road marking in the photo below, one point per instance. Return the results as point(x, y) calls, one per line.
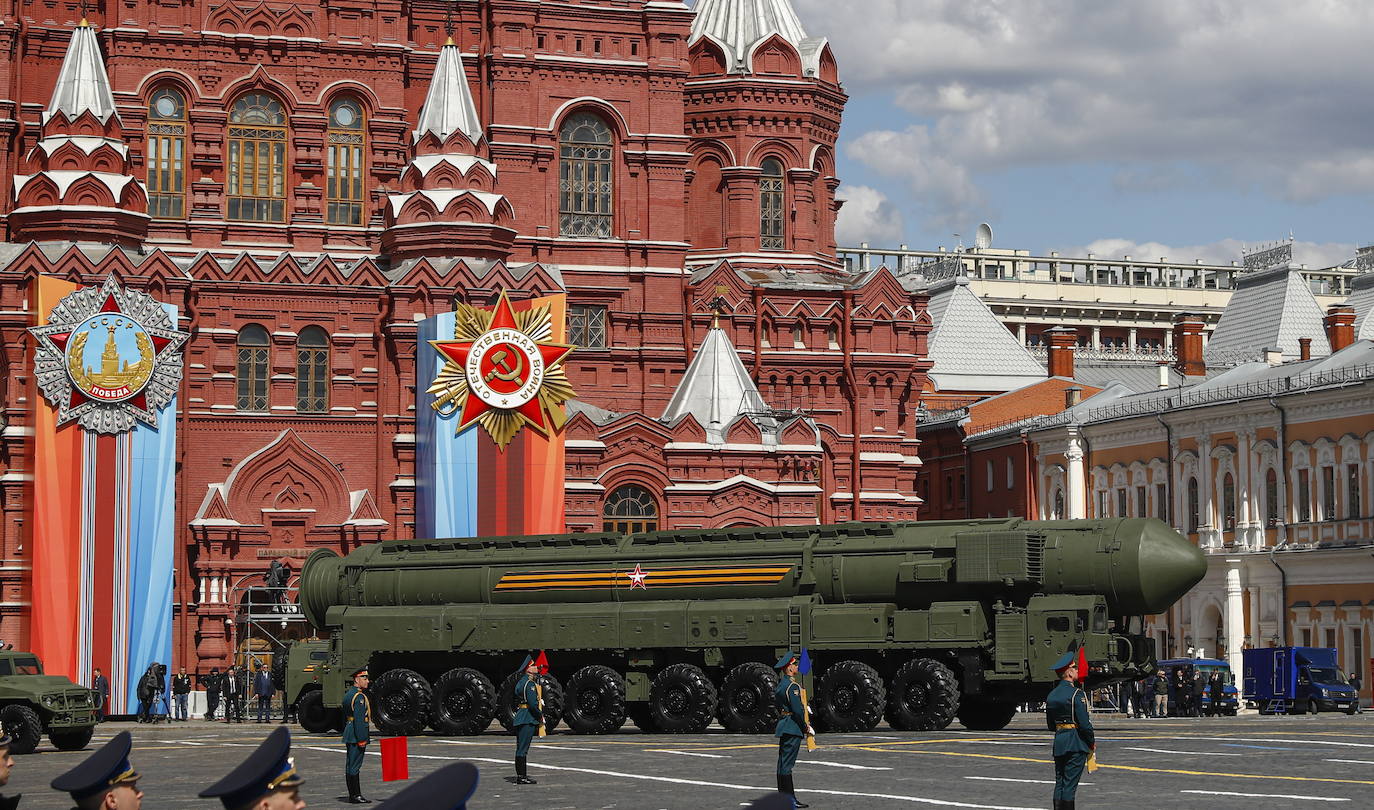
point(563, 748)
point(1276, 740)
point(685, 753)
point(1265, 795)
point(1353, 761)
point(1167, 751)
point(458, 742)
point(1022, 781)
point(844, 765)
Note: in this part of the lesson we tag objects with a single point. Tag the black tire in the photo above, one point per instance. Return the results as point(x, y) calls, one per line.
point(279, 669)
point(745, 702)
point(642, 715)
point(595, 701)
point(401, 702)
point(1351, 708)
point(314, 716)
point(23, 727)
point(682, 699)
point(986, 715)
point(71, 739)
point(1314, 707)
point(464, 703)
point(923, 696)
point(553, 702)
point(850, 697)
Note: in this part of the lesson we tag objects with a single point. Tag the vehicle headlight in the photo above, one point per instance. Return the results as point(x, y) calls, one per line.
point(49, 700)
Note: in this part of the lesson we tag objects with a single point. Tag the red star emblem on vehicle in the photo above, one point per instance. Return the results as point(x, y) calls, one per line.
point(637, 578)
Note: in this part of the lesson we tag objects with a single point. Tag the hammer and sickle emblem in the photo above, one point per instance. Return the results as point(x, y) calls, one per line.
point(507, 374)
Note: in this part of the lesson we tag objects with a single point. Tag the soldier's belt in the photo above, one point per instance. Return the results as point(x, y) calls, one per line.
point(522, 705)
point(1064, 726)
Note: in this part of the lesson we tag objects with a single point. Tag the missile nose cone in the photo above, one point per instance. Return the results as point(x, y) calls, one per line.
point(1170, 566)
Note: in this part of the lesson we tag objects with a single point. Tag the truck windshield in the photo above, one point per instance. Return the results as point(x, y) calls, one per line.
point(1327, 675)
point(30, 666)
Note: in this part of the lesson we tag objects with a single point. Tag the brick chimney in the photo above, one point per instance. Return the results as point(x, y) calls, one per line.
point(1304, 348)
point(1062, 342)
point(1340, 326)
point(1188, 331)
point(1072, 396)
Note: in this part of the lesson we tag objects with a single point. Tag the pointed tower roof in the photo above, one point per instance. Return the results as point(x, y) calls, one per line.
point(449, 107)
point(1269, 309)
point(82, 85)
point(716, 389)
point(971, 350)
point(1362, 299)
point(737, 26)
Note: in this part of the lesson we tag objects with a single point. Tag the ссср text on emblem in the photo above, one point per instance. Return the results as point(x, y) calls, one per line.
point(108, 356)
point(503, 371)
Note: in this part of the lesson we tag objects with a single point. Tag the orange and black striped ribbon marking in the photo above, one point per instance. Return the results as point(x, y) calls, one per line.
point(653, 578)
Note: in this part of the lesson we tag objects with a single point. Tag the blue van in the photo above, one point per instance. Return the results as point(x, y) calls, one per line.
point(1297, 680)
point(1230, 698)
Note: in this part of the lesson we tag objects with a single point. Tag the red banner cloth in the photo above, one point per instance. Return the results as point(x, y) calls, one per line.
point(395, 759)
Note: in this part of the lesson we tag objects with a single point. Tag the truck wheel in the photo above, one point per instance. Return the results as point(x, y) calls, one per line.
point(745, 704)
point(986, 715)
point(314, 716)
point(553, 702)
point(401, 702)
point(595, 701)
point(72, 739)
point(23, 726)
point(683, 700)
point(642, 715)
point(923, 696)
point(850, 697)
point(464, 702)
point(1314, 707)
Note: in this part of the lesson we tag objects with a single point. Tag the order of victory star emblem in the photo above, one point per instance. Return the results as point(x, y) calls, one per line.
point(108, 357)
point(503, 372)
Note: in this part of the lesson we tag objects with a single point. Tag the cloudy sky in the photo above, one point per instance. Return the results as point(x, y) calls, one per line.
point(1179, 128)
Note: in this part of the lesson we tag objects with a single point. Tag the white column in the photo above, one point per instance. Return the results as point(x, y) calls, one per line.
point(1168, 340)
point(1235, 616)
point(1244, 526)
point(1131, 338)
point(1206, 530)
point(1075, 479)
point(1097, 337)
point(213, 596)
point(1021, 333)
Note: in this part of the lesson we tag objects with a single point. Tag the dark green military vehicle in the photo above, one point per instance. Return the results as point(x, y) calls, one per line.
point(32, 703)
point(918, 623)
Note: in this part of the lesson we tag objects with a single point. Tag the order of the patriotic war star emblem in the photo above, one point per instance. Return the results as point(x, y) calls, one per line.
point(503, 371)
point(108, 356)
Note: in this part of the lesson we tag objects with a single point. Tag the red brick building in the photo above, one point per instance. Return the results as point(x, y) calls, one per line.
point(305, 180)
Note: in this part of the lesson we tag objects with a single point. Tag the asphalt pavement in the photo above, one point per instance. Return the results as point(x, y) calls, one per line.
point(1250, 762)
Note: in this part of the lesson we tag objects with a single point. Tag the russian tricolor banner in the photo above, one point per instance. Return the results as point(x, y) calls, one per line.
point(102, 542)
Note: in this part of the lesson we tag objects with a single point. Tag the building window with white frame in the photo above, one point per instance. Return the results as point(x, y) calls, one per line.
point(1304, 496)
point(1271, 497)
point(1011, 473)
point(166, 154)
point(1352, 491)
point(1329, 493)
point(587, 326)
point(772, 203)
point(988, 470)
point(1162, 502)
point(586, 183)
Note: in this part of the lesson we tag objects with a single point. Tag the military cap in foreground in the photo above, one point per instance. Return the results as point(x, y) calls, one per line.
point(267, 779)
point(6, 762)
point(106, 771)
point(448, 788)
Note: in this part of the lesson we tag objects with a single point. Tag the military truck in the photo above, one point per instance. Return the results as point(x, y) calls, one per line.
point(918, 623)
point(32, 703)
point(306, 665)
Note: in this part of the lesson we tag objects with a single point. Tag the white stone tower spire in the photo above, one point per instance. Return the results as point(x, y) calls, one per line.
point(449, 107)
point(738, 26)
point(82, 84)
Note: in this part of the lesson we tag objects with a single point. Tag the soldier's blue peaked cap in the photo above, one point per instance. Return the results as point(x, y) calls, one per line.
point(448, 788)
point(108, 767)
point(1065, 660)
point(268, 768)
point(788, 658)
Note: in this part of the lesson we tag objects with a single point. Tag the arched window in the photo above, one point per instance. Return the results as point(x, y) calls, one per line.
point(257, 159)
point(585, 184)
point(771, 205)
point(252, 368)
point(167, 154)
point(1271, 497)
point(344, 184)
point(1228, 501)
point(630, 509)
point(1192, 506)
point(312, 371)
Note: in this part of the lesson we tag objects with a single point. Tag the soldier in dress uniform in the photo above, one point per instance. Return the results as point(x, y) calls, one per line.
point(6, 763)
point(793, 725)
point(358, 714)
point(529, 712)
point(267, 780)
point(448, 788)
point(104, 780)
point(1066, 714)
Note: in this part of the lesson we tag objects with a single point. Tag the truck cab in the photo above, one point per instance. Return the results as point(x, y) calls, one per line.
point(307, 665)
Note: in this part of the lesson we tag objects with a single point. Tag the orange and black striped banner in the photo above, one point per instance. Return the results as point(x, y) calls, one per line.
point(642, 578)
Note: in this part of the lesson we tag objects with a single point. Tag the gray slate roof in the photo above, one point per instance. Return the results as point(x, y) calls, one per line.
point(970, 349)
point(716, 389)
point(82, 83)
point(1269, 309)
point(1362, 299)
point(737, 26)
point(449, 107)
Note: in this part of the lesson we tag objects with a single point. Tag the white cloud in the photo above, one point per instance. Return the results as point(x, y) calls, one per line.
point(867, 216)
point(1268, 94)
point(1224, 251)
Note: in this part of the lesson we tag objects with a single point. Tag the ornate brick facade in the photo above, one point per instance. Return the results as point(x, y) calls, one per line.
point(352, 220)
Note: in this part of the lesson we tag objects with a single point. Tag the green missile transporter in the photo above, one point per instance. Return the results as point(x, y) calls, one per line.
point(918, 623)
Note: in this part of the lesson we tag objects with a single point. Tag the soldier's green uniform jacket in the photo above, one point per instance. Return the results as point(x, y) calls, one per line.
point(355, 708)
point(787, 697)
point(1068, 706)
point(527, 703)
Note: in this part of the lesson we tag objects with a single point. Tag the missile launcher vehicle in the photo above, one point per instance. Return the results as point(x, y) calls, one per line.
point(915, 623)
